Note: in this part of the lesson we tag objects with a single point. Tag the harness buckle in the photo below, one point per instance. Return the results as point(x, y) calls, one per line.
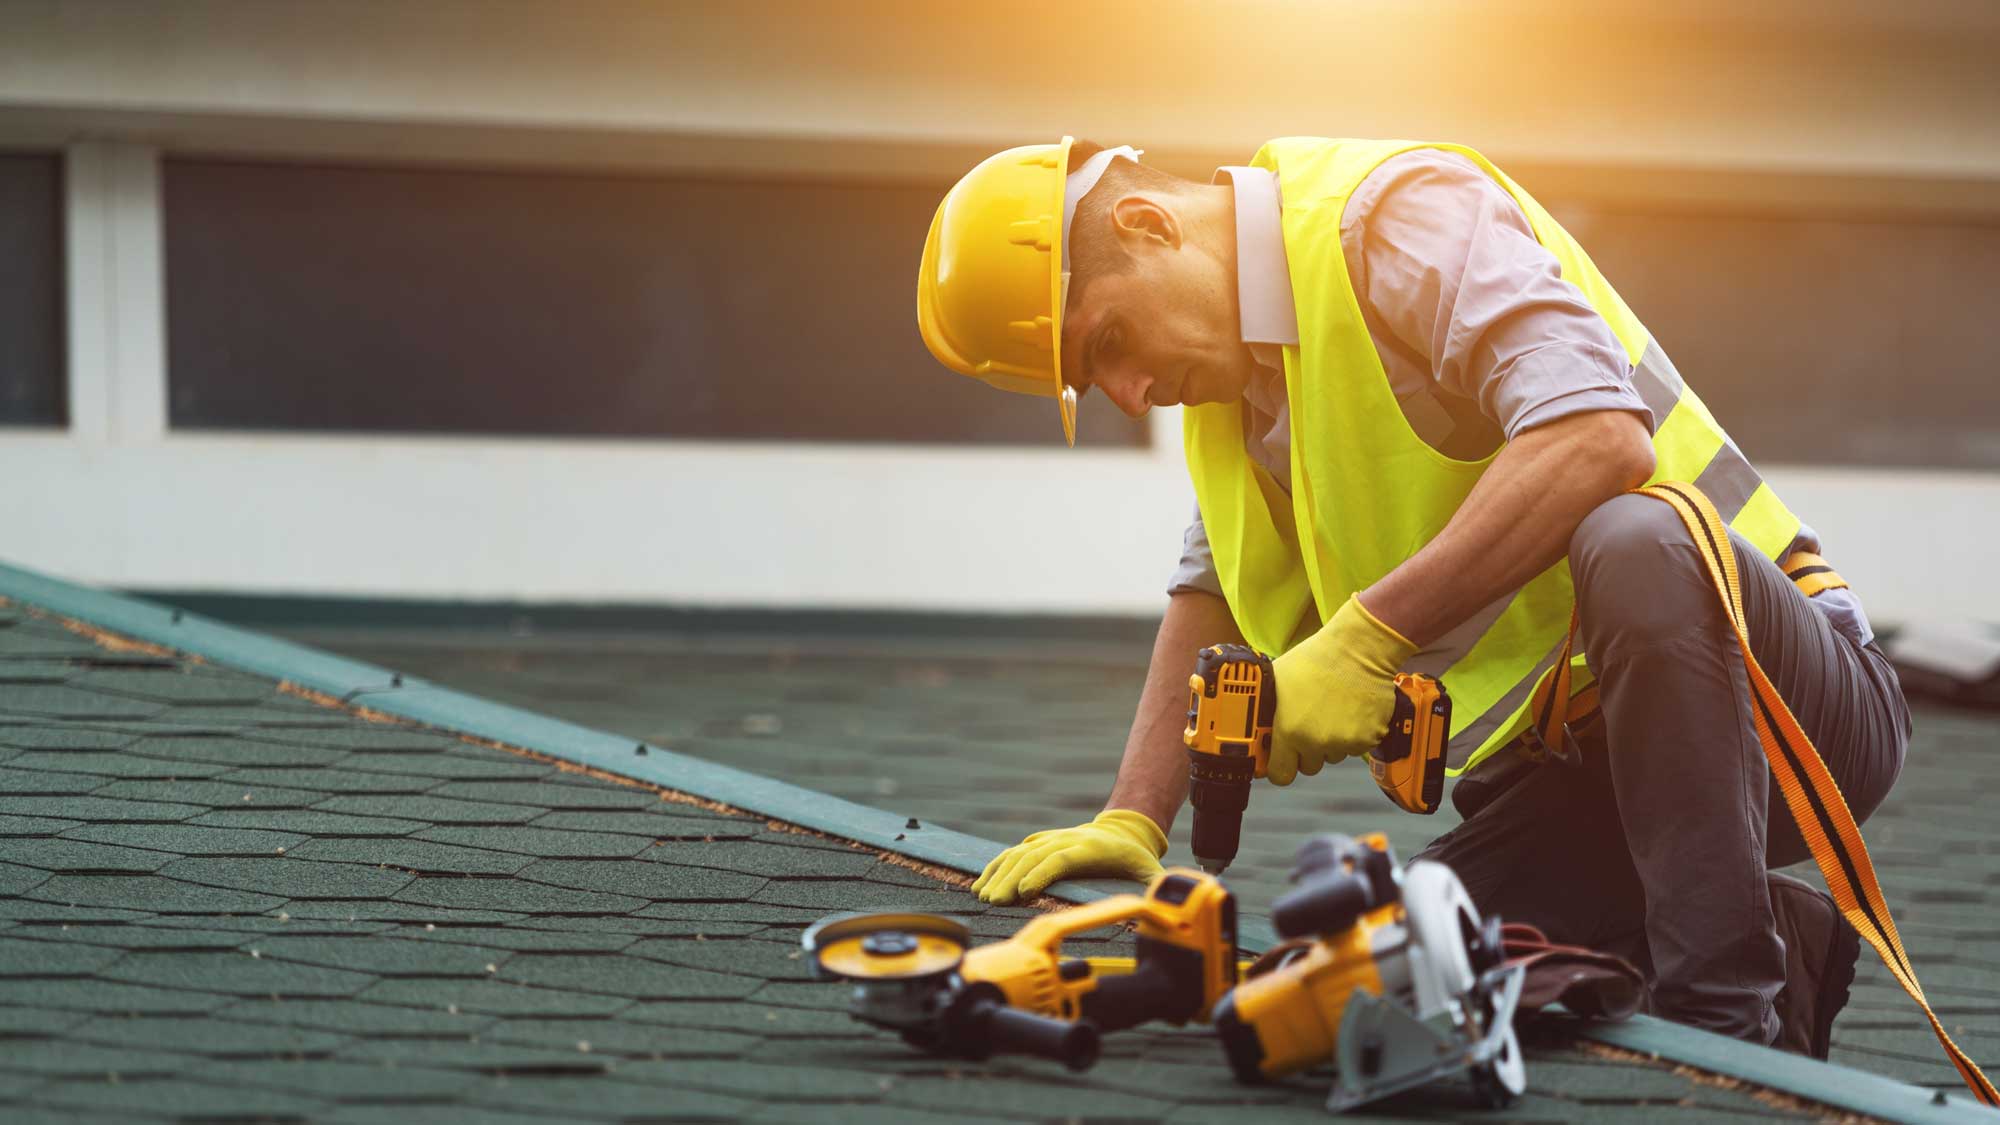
point(1538, 750)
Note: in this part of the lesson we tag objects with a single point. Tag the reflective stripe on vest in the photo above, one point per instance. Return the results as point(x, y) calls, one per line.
point(1367, 493)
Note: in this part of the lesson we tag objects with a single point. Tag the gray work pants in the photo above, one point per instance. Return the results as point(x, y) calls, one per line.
point(1656, 847)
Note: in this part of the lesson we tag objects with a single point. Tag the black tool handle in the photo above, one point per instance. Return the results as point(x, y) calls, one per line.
point(1327, 904)
point(1119, 1002)
point(1011, 1031)
point(980, 1023)
point(1167, 985)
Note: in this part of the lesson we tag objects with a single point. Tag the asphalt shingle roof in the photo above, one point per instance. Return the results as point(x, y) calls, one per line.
point(508, 940)
point(999, 739)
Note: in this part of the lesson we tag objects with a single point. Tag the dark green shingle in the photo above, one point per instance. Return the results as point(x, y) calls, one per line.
point(508, 894)
point(546, 941)
point(231, 751)
point(453, 765)
point(771, 960)
point(148, 936)
point(214, 793)
point(18, 1021)
point(215, 1037)
point(327, 780)
point(65, 736)
point(751, 1019)
point(189, 839)
point(151, 892)
point(756, 1079)
point(619, 1037)
point(32, 911)
point(55, 1057)
point(93, 995)
point(372, 738)
point(624, 977)
point(291, 877)
point(355, 1017)
point(237, 973)
point(25, 958)
point(182, 684)
point(414, 855)
point(336, 1079)
point(646, 880)
point(11, 825)
point(19, 880)
point(407, 913)
point(59, 701)
point(177, 1097)
point(311, 822)
point(65, 784)
point(650, 825)
point(491, 997)
point(607, 1098)
point(552, 795)
point(55, 853)
point(543, 842)
point(753, 858)
point(99, 809)
point(385, 956)
point(478, 1054)
point(432, 808)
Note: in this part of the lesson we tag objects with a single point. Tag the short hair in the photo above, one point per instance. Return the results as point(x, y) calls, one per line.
point(1093, 250)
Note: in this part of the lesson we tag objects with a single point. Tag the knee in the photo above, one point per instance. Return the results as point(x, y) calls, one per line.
point(1631, 560)
point(1626, 536)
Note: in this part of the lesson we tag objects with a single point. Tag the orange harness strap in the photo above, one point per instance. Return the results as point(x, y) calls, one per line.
point(1810, 792)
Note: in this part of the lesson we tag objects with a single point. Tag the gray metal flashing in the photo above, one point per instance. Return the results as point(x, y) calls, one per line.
point(387, 691)
point(1842, 1086)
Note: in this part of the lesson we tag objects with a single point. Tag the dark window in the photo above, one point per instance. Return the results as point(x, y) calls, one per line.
point(1821, 340)
point(31, 291)
point(375, 299)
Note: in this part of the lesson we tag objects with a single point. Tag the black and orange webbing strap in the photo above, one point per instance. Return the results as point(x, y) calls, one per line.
point(1810, 573)
point(1810, 792)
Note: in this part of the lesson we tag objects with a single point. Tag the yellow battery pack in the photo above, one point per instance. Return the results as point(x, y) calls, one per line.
point(1409, 763)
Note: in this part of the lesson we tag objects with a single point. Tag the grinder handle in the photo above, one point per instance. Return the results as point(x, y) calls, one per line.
point(1153, 992)
point(1005, 1030)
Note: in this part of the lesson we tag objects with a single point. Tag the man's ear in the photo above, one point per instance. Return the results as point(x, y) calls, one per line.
point(1141, 219)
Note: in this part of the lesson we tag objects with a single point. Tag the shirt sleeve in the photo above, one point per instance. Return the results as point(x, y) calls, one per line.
point(1451, 274)
point(1197, 566)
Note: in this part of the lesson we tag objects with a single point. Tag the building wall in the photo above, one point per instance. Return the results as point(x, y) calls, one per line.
point(1801, 201)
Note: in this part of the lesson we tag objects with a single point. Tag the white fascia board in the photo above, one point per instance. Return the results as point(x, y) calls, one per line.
point(751, 524)
point(764, 524)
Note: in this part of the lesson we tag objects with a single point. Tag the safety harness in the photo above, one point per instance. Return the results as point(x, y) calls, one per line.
point(1810, 791)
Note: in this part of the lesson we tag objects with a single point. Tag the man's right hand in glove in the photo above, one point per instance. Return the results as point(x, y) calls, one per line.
point(1118, 844)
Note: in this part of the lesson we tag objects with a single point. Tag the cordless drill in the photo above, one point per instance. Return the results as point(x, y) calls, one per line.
point(1232, 704)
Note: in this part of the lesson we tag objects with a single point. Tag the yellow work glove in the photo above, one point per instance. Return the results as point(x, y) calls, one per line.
point(1119, 843)
point(1336, 692)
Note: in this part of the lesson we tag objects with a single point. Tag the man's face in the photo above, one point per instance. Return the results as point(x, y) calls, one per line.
point(1163, 332)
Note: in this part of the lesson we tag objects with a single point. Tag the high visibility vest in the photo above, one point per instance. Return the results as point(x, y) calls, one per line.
point(1367, 493)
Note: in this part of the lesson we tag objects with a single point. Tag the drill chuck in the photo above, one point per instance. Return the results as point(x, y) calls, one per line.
point(1219, 789)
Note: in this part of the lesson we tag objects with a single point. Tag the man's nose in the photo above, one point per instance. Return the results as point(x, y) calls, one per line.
point(1129, 391)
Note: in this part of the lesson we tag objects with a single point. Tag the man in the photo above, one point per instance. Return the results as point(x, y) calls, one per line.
point(1415, 408)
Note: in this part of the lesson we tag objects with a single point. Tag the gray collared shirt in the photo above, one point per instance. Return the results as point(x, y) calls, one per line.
point(1479, 334)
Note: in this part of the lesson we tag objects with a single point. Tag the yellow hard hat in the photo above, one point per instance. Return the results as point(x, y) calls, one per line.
point(990, 290)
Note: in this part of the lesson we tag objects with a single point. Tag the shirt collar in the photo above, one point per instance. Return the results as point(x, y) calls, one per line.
point(1263, 281)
